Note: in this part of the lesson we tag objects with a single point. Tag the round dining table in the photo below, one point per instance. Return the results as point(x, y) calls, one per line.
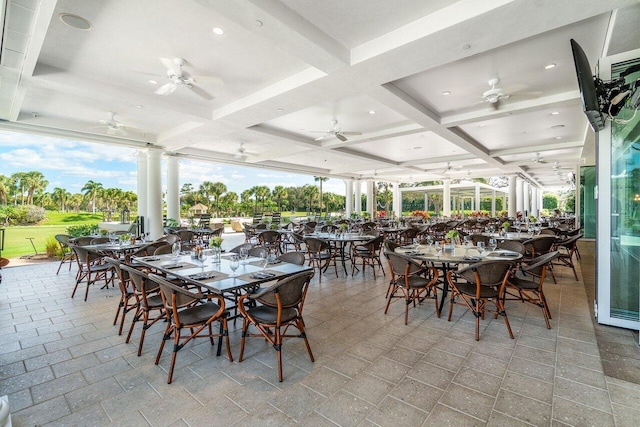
point(340, 240)
point(446, 259)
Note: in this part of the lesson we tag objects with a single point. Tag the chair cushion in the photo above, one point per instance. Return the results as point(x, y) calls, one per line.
point(414, 282)
point(199, 314)
point(265, 314)
point(523, 282)
point(470, 289)
point(154, 301)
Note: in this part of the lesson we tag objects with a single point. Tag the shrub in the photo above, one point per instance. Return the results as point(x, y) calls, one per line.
point(81, 230)
point(52, 248)
point(22, 214)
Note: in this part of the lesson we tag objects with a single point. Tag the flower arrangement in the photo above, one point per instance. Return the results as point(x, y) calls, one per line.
point(103, 232)
point(452, 234)
point(381, 214)
point(519, 214)
point(503, 214)
point(506, 224)
point(533, 219)
point(215, 242)
point(344, 226)
point(423, 214)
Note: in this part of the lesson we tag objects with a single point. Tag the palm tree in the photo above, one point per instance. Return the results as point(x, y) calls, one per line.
point(217, 190)
point(229, 201)
point(35, 183)
point(320, 179)
point(91, 190)
point(310, 193)
point(75, 201)
point(279, 193)
point(206, 190)
point(60, 196)
point(20, 184)
point(5, 188)
point(262, 192)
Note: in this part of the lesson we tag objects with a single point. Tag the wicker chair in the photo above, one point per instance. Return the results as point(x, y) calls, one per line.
point(188, 312)
point(413, 280)
point(150, 301)
point(66, 254)
point(128, 298)
point(566, 249)
point(481, 282)
point(280, 306)
point(321, 255)
point(297, 258)
point(92, 268)
point(539, 246)
point(528, 283)
point(271, 240)
point(369, 253)
point(237, 249)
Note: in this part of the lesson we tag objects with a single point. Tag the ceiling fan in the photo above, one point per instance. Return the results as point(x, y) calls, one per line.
point(449, 168)
point(538, 159)
point(336, 132)
point(179, 77)
point(558, 168)
point(114, 127)
point(241, 152)
point(494, 95)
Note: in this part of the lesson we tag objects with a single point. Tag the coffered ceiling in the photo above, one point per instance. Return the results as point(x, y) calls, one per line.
point(347, 89)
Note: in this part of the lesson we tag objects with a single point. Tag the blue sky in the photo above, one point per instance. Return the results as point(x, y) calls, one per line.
point(70, 164)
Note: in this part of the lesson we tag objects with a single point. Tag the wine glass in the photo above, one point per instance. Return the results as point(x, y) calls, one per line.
point(244, 254)
point(202, 257)
point(493, 244)
point(481, 247)
point(233, 264)
point(438, 248)
point(429, 242)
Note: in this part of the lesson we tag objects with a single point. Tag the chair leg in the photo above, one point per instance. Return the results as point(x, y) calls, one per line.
point(174, 354)
point(278, 346)
point(245, 326)
point(503, 313)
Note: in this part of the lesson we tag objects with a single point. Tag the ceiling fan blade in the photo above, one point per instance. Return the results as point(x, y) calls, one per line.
point(341, 137)
point(166, 89)
point(217, 81)
point(201, 92)
point(351, 133)
point(323, 137)
point(170, 65)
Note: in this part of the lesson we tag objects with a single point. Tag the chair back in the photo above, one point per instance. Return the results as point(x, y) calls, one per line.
point(486, 273)
point(539, 264)
point(85, 256)
point(316, 245)
point(237, 249)
point(297, 258)
point(149, 249)
point(475, 238)
point(99, 240)
point(185, 236)
point(269, 237)
point(123, 276)
point(63, 240)
point(390, 246)
point(169, 238)
point(512, 245)
point(174, 296)
point(402, 265)
point(257, 251)
point(540, 245)
point(289, 292)
point(163, 249)
point(140, 280)
point(570, 243)
point(83, 240)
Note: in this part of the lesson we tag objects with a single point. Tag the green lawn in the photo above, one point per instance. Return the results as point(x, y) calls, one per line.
point(16, 243)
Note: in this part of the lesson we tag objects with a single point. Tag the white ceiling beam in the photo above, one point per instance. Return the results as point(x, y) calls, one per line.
point(489, 113)
point(443, 159)
point(169, 134)
point(536, 148)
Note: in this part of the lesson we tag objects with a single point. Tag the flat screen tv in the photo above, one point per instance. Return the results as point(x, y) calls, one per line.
point(587, 86)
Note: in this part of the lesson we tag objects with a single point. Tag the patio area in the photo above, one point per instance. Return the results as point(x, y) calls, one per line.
point(62, 363)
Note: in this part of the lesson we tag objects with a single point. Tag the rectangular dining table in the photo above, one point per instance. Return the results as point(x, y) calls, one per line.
point(219, 277)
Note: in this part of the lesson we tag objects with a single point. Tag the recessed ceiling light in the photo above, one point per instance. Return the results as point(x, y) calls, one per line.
point(482, 125)
point(259, 23)
point(140, 106)
point(549, 66)
point(75, 21)
point(557, 126)
point(466, 46)
point(153, 82)
point(555, 113)
point(446, 92)
point(372, 112)
point(279, 110)
point(417, 148)
point(218, 31)
point(558, 137)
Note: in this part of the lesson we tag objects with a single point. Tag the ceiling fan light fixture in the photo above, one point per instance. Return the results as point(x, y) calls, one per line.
point(446, 93)
point(75, 21)
point(218, 31)
point(550, 66)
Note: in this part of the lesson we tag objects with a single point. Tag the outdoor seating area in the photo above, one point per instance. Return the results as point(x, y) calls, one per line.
point(67, 362)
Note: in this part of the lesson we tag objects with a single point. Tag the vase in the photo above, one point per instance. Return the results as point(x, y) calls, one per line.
point(217, 253)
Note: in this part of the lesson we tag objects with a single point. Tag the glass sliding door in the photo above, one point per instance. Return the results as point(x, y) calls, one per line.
point(587, 201)
point(619, 210)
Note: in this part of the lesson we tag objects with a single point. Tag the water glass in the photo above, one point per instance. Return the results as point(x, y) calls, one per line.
point(481, 247)
point(264, 256)
point(175, 250)
point(493, 244)
point(233, 264)
point(244, 254)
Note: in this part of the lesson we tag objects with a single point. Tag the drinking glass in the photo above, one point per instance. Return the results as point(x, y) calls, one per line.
point(438, 248)
point(244, 254)
point(175, 249)
point(264, 256)
point(493, 244)
point(233, 264)
point(202, 257)
point(113, 238)
point(429, 242)
point(481, 247)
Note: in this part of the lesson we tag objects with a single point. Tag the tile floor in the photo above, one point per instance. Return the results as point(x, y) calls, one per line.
point(62, 363)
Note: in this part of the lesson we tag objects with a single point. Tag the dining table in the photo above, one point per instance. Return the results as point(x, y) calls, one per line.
point(340, 241)
point(452, 256)
point(117, 249)
point(219, 277)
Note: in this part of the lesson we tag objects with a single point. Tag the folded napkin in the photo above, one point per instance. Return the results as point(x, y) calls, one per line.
point(170, 266)
point(509, 254)
point(408, 247)
point(150, 258)
point(471, 258)
point(262, 275)
point(202, 276)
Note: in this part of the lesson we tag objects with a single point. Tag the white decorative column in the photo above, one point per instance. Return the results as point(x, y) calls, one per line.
point(493, 204)
point(512, 196)
point(348, 200)
point(358, 197)
point(534, 201)
point(142, 186)
point(525, 198)
point(371, 205)
point(173, 183)
point(154, 195)
point(446, 198)
point(426, 202)
point(397, 200)
point(519, 200)
point(477, 204)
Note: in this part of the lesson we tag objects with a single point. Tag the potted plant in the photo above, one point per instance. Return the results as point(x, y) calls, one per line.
point(343, 227)
point(216, 243)
point(505, 226)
